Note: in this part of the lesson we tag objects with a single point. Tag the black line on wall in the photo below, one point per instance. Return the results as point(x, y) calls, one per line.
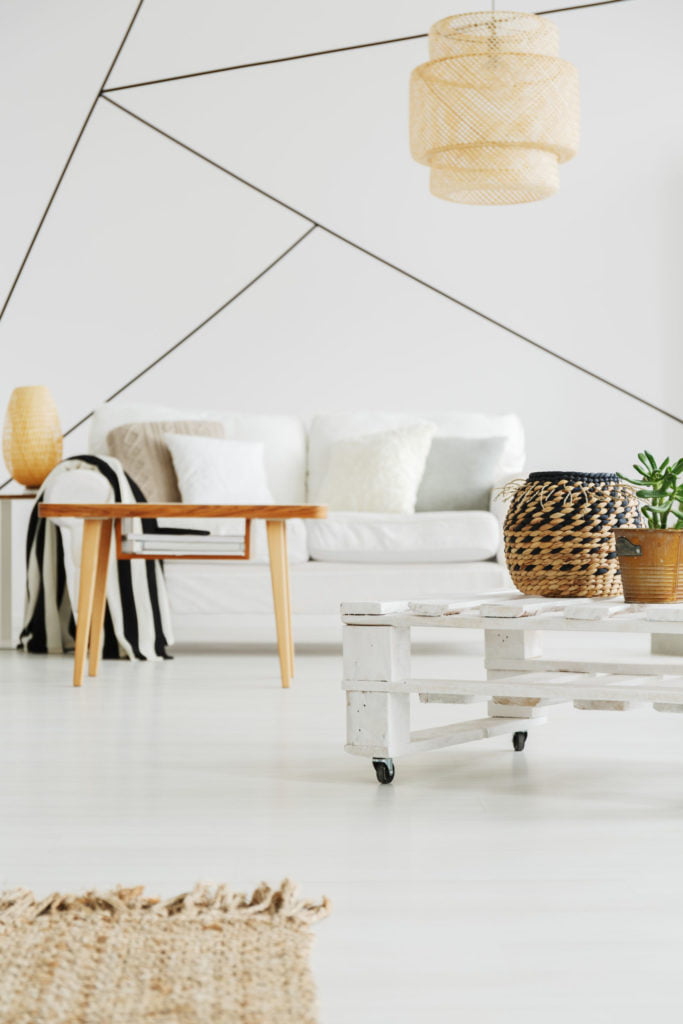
point(324, 53)
point(580, 7)
point(68, 161)
point(207, 159)
point(261, 63)
point(103, 91)
point(406, 273)
point(194, 330)
point(504, 327)
point(204, 322)
point(177, 345)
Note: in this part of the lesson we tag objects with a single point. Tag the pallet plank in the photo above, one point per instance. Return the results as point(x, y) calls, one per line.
point(465, 732)
point(663, 612)
point(450, 735)
point(637, 664)
point(456, 606)
point(434, 608)
point(512, 710)
point(373, 607)
point(606, 705)
point(566, 685)
point(548, 621)
point(596, 608)
point(450, 698)
point(524, 607)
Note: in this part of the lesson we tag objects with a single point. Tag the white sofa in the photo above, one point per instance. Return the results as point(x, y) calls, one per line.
point(349, 556)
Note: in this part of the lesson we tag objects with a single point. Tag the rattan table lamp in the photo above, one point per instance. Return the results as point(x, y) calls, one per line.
point(494, 111)
point(32, 436)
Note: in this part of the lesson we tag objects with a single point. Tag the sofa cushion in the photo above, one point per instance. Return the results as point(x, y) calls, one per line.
point(378, 472)
point(284, 438)
point(144, 455)
point(326, 430)
point(460, 473)
point(219, 471)
point(420, 537)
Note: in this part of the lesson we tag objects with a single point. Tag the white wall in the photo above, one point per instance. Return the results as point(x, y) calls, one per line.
point(145, 240)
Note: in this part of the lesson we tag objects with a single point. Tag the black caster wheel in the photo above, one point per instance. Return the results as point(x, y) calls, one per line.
point(519, 740)
point(384, 769)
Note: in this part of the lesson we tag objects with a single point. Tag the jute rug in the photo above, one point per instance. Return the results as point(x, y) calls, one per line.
point(210, 956)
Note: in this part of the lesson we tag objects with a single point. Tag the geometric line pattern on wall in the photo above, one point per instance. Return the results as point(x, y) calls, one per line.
point(324, 53)
point(69, 159)
point(401, 270)
point(314, 224)
point(103, 90)
point(204, 322)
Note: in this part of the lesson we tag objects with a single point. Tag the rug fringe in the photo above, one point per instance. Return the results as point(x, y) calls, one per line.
point(215, 902)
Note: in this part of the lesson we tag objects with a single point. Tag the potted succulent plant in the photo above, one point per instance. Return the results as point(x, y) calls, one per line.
point(651, 559)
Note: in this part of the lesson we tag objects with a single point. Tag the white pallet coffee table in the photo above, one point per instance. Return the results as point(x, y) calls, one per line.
point(521, 683)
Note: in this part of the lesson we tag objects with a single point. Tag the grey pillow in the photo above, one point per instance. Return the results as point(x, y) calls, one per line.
point(459, 474)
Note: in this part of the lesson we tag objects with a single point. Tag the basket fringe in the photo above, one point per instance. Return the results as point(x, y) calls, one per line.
point(217, 903)
point(544, 492)
point(508, 490)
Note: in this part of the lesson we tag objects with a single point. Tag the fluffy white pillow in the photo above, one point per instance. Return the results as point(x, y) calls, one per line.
point(378, 472)
point(214, 471)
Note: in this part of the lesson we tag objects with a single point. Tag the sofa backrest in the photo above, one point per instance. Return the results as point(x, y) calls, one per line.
point(285, 441)
point(284, 438)
point(326, 430)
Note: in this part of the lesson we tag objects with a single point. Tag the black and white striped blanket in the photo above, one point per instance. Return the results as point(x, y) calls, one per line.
point(137, 621)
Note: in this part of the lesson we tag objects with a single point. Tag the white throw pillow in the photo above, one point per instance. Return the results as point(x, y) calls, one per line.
point(378, 472)
point(214, 471)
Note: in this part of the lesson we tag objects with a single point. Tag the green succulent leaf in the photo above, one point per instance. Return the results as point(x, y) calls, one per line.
point(628, 480)
point(659, 487)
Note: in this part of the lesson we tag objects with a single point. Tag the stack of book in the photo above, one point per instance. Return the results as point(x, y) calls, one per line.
point(190, 544)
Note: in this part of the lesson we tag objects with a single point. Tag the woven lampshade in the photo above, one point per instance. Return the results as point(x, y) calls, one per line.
point(32, 436)
point(495, 111)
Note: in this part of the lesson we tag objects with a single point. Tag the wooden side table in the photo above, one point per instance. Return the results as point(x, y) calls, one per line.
point(97, 535)
point(6, 563)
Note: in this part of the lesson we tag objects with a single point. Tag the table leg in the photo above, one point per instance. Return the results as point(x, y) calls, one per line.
point(5, 574)
point(279, 575)
point(92, 529)
point(288, 596)
point(100, 596)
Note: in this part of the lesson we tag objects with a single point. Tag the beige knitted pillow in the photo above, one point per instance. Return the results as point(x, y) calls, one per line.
point(144, 455)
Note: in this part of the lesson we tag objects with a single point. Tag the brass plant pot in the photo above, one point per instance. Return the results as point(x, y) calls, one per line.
point(651, 563)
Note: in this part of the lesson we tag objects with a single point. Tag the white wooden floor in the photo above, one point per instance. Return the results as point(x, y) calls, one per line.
point(482, 886)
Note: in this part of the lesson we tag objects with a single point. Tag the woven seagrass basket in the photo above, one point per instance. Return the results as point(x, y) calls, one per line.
point(558, 533)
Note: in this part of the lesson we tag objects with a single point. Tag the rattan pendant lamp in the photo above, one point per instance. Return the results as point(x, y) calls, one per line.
point(495, 110)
